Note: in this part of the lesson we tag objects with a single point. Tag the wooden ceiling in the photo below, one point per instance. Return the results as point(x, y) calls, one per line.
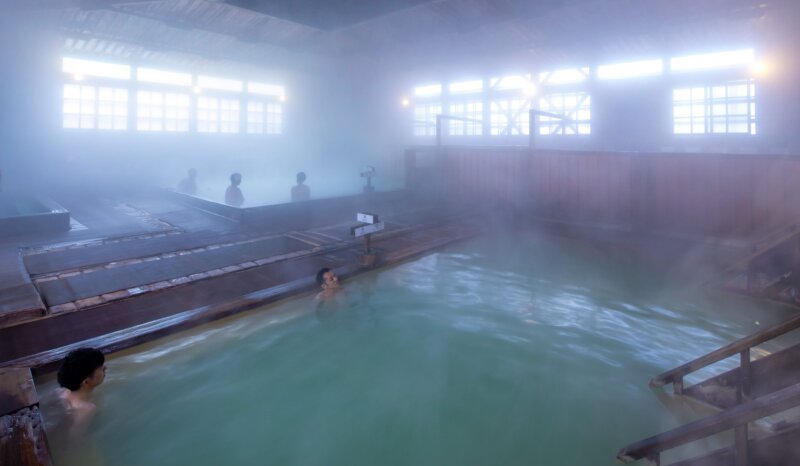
point(271, 31)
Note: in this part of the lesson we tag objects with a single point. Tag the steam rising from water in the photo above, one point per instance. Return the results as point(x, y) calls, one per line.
point(480, 354)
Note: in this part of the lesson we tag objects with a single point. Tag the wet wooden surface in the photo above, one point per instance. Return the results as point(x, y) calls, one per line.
point(121, 284)
point(16, 390)
point(22, 439)
point(44, 341)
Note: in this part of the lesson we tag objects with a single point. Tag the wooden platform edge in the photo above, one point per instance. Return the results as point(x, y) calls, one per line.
point(139, 334)
point(22, 436)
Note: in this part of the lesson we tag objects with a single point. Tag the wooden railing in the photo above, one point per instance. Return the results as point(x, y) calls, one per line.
point(741, 347)
point(735, 418)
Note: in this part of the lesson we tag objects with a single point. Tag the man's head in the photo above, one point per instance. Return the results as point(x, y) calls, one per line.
point(327, 279)
point(301, 178)
point(236, 179)
point(192, 173)
point(83, 367)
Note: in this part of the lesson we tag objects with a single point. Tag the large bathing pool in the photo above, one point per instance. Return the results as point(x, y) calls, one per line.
point(498, 351)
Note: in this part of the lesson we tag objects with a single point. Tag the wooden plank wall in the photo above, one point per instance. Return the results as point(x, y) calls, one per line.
point(716, 195)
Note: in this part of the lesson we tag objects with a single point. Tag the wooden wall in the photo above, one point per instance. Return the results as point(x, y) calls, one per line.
point(719, 195)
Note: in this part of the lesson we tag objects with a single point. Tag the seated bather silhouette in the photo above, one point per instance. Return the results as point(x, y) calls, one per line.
point(233, 195)
point(301, 192)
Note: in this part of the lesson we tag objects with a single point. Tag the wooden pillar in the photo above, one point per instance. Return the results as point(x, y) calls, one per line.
point(741, 445)
point(677, 386)
point(744, 376)
point(22, 436)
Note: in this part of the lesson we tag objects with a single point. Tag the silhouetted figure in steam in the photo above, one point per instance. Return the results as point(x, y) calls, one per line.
point(301, 192)
point(233, 195)
point(188, 185)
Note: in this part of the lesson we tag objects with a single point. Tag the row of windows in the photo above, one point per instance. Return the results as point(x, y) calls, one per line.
point(637, 69)
point(727, 108)
point(99, 107)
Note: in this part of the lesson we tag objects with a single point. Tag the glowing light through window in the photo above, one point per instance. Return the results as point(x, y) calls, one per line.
point(266, 89)
point(220, 84)
point(431, 90)
point(713, 60)
point(564, 76)
point(466, 87)
point(631, 70)
point(90, 107)
point(728, 108)
point(162, 111)
point(79, 67)
point(150, 75)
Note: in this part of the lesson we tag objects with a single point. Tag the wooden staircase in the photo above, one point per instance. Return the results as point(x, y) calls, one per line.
point(751, 392)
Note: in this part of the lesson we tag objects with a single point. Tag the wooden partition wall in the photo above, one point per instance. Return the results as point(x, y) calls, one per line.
point(719, 195)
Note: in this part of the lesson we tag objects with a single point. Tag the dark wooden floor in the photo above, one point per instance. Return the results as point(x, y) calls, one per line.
point(166, 259)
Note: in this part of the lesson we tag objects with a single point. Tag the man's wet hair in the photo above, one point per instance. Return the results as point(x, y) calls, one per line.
point(79, 365)
point(321, 275)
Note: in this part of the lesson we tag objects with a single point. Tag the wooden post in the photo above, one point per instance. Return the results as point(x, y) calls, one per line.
point(744, 376)
point(741, 445)
point(677, 386)
point(22, 436)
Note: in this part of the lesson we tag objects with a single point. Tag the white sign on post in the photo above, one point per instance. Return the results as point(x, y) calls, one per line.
point(367, 229)
point(367, 217)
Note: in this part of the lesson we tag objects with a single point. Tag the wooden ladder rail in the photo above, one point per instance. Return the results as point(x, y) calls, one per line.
point(741, 347)
point(734, 418)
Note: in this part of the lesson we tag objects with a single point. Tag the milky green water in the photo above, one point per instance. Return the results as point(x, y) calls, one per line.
point(498, 351)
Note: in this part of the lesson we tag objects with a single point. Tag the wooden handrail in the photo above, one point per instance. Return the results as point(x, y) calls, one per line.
point(739, 415)
point(676, 375)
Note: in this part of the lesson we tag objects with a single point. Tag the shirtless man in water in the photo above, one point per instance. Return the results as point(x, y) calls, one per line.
point(329, 283)
point(82, 371)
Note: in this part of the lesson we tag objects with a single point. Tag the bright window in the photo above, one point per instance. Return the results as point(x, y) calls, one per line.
point(264, 117)
point(255, 117)
point(713, 60)
point(466, 87)
point(431, 90)
point(425, 118)
point(473, 111)
point(575, 106)
point(228, 116)
point(162, 111)
point(511, 83)
point(274, 118)
point(728, 108)
point(564, 76)
point(150, 75)
point(631, 70)
point(220, 84)
point(510, 117)
point(91, 107)
point(207, 114)
point(266, 89)
point(77, 66)
point(217, 115)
